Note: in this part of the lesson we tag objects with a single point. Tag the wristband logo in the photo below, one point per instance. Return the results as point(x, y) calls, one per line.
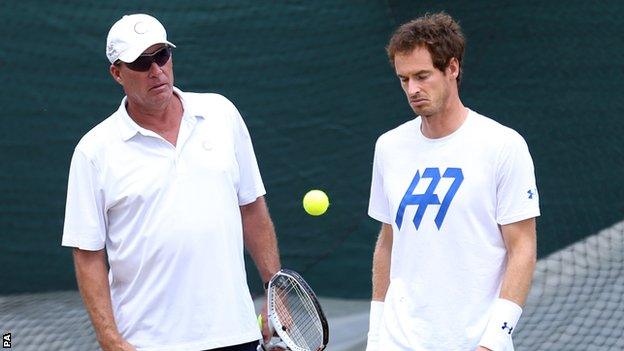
point(505, 326)
point(429, 197)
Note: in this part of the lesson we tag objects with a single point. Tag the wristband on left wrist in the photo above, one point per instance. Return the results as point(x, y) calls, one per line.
point(504, 316)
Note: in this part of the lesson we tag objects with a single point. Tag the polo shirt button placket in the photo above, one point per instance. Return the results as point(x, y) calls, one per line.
point(175, 160)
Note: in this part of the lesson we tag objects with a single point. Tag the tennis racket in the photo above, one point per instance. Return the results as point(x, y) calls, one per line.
point(295, 314)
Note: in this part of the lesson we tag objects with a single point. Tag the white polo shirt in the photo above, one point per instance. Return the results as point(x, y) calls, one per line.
point(170, 220)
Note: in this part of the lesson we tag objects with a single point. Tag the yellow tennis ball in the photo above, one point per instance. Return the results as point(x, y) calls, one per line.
point(315, 202)
point(260, 321)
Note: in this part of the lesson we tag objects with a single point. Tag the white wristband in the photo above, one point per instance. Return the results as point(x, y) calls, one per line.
point(503, 318)
point(376, 315)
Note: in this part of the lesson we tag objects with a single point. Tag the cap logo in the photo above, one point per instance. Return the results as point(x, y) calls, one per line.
point(140, 28)
point(111, 50)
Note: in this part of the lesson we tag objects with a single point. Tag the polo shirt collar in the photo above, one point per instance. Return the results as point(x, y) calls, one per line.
point(128, 128)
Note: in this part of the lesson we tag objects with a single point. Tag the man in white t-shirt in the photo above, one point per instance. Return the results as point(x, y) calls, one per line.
point(455, 192)
point(163, 197)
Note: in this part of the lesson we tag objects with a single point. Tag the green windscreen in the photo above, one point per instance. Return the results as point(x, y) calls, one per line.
point(312, 81)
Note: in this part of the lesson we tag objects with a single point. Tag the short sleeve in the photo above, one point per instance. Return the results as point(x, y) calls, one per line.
point(250, 186)
point(517, 196)
point(378, 206)
point(85, 224)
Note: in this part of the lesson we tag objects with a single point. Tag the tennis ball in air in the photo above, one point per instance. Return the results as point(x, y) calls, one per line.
point(315, 202)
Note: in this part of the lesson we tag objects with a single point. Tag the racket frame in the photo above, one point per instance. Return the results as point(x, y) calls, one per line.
point(273, 318)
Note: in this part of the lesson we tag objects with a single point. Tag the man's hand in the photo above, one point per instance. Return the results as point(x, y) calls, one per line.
point(266, 332)
point(119, 345)
point(92, 278)
point(481, 348)
point(128, 347)
point(125, 346)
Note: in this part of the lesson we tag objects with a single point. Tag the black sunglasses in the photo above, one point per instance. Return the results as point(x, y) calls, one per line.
point(144, 62)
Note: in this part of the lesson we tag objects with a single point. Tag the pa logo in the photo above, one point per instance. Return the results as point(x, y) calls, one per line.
point(6, 341)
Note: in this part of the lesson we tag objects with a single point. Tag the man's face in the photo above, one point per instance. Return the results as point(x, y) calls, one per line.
point(426, 87)
point(151, 89)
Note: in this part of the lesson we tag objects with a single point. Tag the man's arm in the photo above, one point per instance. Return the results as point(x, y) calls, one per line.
point(521, 243)
point(92, 277)
point(261, 242)
point(381, 282)
point(260, 239)
point(381, 263)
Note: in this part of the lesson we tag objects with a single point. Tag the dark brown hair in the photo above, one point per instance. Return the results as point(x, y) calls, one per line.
point(438, 32)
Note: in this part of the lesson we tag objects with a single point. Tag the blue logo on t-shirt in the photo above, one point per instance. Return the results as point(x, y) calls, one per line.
point(429, 198)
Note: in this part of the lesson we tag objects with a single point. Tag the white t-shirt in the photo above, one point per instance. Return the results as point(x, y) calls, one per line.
point(445, 199)
point(170, 220)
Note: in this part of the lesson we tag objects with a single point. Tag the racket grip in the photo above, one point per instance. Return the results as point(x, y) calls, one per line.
point(274, 342)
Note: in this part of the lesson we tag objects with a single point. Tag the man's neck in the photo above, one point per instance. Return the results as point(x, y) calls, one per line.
point(444, 123)
point(157, 119)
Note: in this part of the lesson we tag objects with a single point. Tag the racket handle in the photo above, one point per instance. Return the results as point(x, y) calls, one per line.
point(274, 342)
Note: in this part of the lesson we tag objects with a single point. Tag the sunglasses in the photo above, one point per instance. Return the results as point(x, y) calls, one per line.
point(144, 62)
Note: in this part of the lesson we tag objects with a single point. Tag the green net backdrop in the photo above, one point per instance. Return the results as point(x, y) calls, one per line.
point(312, 81)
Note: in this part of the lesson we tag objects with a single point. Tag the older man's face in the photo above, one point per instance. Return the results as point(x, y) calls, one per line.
point(151, 89)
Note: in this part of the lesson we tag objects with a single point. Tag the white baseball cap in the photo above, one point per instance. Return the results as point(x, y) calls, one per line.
point(133, 34)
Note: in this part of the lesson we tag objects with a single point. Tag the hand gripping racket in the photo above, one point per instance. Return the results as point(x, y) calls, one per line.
point(295, 314)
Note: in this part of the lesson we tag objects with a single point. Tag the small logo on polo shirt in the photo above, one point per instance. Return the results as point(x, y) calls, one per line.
point(6, 341)
point(532, 193)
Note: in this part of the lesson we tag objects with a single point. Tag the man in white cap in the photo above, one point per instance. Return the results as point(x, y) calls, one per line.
point(162, 198)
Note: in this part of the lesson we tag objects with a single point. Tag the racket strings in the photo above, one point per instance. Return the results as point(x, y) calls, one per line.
point(297, 314)
point(301, 316)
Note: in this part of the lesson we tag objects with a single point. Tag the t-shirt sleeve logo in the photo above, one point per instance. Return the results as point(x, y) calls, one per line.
point(429, 197)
